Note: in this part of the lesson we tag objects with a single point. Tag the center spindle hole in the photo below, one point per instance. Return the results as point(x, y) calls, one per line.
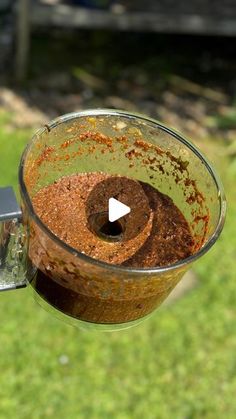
point(105, 229)
point(112, 229)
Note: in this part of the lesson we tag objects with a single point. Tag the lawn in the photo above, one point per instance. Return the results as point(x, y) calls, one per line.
point(179, 364)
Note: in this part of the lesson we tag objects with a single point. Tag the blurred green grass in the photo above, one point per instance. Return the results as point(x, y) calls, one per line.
point(178, 364)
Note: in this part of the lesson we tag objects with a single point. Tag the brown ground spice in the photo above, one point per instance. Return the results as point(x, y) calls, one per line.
point(164, 239)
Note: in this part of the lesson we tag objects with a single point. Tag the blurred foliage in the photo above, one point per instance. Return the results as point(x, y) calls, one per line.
point(227, 121)
point(12, 142)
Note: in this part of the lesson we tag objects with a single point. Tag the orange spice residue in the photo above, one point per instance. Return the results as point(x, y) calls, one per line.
point(44, 155)
point(97, 137)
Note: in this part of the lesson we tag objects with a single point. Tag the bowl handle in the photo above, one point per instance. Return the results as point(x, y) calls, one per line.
point(13, 243)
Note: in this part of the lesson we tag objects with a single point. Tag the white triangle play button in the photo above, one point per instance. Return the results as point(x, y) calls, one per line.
point(116, 210)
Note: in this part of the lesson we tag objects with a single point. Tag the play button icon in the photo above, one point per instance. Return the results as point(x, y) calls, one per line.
point(117, 210)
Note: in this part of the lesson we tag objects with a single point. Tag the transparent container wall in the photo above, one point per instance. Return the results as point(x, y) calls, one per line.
point(93, 293)
point(129, 146)
point(77, 146)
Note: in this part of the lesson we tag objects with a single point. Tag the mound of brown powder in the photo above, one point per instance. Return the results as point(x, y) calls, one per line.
point(163, 238)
